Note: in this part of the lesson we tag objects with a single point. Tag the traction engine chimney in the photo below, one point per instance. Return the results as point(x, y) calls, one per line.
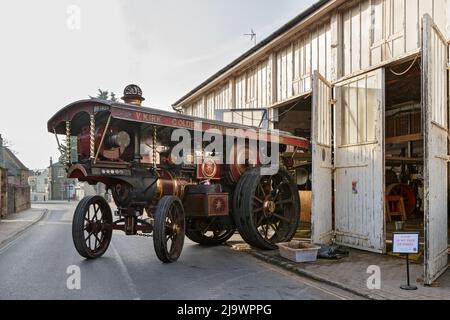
point(133, 95)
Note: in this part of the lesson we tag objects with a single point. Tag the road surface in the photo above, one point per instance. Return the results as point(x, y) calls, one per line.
point(35, 264)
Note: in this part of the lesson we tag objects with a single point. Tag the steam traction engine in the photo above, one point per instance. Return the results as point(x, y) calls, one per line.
point(129, 148)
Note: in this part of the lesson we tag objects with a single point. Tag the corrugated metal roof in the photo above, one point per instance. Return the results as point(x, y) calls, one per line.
point(288, 26)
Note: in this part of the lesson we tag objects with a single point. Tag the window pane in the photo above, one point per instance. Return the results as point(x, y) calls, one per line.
point(353, 113)
point(344, 115)
point(362, 111)
point(372, 107)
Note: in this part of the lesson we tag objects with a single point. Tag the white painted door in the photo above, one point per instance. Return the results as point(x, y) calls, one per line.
point(435, 127)
point(321, 161)
point(359, 162)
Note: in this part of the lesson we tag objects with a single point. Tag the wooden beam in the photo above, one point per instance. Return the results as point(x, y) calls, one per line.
point(403, 159)
point(406, 138)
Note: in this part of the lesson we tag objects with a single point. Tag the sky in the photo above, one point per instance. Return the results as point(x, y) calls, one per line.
point(54, 52)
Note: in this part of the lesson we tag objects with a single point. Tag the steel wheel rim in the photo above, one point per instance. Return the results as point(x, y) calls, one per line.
point(272, 207)
point(95, 236)
point(174, 230)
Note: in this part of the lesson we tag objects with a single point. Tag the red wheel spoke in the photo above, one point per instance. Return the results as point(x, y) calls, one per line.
point(258, 199)
point(96, 209)
point(276, 195)
point(285, 201)
point(274, 227)
point(258, 210)
point(261, 219)
point(169, 237)
point(89, 236)
point(262, 189)
point(266, 231)
point(281, 217)
point(88, 239)
point(96, 241)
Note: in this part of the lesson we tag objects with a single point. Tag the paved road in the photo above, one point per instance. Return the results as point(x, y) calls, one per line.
point(34, 265)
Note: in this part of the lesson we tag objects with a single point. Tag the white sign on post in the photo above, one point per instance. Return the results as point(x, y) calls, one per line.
point(406, 242)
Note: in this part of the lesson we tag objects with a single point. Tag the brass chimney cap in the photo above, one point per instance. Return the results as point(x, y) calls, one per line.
point(133, 94)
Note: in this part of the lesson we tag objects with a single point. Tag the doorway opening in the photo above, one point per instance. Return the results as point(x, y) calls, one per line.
point(404, 151)
point(296, 118)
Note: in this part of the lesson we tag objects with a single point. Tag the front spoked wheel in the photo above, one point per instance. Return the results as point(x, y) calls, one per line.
point(169, 229)
point(91, 227)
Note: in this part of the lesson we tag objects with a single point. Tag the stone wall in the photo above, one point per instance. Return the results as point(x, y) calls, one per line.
point(13, 198)
point(3, 193)
point(22, 199)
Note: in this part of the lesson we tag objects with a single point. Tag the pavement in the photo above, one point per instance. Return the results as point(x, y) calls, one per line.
point(15, 224)
point(40, 262)
point(352, 274)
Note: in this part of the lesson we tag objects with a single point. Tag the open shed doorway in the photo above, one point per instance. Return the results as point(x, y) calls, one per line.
point(405, 154)
point(296, 118)
point(404, 151)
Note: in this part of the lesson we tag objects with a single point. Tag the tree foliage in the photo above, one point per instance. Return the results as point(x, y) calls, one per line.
point(105, 95)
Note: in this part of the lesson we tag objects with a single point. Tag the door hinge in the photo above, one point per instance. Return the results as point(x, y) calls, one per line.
point(333, 102)
point(445, 158)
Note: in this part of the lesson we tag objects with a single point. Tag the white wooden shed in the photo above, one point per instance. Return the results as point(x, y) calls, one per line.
point(343, 68)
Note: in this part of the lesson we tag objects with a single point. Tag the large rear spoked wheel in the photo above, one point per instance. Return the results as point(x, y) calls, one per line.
point(91, 227)
point(266, 208)
point(169, 229)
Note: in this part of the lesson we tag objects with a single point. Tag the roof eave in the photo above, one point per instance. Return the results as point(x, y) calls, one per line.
point(261, 45)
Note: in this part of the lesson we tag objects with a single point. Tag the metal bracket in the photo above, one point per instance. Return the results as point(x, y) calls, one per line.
point(102, 139)
point(445, 158)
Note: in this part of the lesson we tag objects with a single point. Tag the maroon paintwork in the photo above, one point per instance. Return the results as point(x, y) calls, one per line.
point(162, 118)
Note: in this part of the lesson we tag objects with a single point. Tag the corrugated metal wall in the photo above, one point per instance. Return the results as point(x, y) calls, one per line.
point(359, 35)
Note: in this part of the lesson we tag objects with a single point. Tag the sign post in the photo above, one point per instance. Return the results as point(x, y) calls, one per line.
point(406, 243)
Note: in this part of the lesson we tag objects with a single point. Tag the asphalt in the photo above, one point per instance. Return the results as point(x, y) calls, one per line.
point(34, 265)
